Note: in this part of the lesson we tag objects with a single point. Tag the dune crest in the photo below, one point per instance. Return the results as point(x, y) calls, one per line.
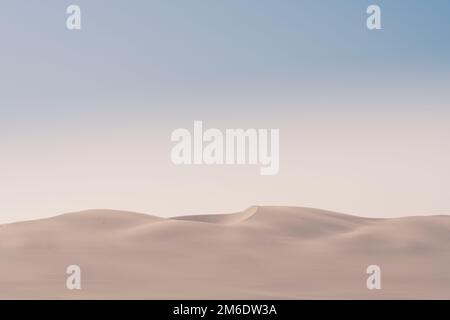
point(230, 218)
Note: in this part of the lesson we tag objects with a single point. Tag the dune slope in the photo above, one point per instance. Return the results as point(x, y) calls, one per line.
point(260, 253)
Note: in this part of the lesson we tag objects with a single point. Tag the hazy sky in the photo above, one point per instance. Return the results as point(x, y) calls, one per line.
point(86, 116)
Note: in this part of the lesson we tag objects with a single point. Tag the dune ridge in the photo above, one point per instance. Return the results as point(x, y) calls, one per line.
point(230, 218)
point(259, 253)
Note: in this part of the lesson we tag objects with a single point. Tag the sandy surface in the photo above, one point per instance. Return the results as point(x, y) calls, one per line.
point(261, 253)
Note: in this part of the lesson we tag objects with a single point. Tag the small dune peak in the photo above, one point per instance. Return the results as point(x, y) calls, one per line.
point(106, 218)
point(224, 219)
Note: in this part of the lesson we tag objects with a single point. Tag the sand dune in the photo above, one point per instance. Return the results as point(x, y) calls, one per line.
point(260, 253)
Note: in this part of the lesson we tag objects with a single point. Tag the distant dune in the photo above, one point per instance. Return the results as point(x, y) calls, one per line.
point(260, 253)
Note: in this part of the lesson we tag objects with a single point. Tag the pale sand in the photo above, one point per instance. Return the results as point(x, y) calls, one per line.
point(261, 253)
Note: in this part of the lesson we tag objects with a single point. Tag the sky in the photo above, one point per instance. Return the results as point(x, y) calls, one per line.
point(86, 116)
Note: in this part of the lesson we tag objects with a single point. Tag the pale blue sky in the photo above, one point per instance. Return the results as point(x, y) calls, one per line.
point(140, 69)
point(150, 51)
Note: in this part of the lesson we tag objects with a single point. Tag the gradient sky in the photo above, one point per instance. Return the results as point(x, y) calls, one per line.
point(86, 116)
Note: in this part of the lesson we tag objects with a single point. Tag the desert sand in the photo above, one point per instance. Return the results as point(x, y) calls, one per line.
point(260, 253)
